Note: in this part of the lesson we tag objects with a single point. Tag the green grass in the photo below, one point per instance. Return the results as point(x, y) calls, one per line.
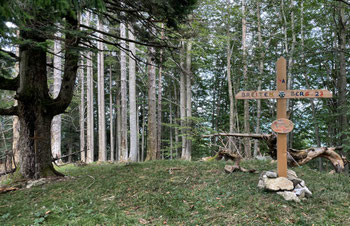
point(199, 193)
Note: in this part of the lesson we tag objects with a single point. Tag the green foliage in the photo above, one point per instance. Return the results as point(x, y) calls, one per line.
point(197, 193)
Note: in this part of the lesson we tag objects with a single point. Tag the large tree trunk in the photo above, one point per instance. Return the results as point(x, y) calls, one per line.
point(124, 111)
point(132, 98)
point(57, 79)
point(102, 153)
point(152, 117)
point(35, 107)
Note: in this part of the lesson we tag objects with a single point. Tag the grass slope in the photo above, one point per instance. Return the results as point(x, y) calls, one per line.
point(195, 193)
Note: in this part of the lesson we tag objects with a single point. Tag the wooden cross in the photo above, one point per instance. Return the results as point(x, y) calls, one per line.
point(282, 94)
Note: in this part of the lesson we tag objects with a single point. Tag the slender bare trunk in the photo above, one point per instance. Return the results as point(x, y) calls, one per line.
point(57, 80)
point(152, 117)
point(261, 71)
point(102, 153)
point(177, 116)
point(159, 103)
point(132, 98)
point(143, 133)
point(118, 126)
point(171, 126)
point(247, 142)
point(123, 95)
point(183, 100)
point(82, 113)
point(188, 101)
point(342, 79)
point(111, 118)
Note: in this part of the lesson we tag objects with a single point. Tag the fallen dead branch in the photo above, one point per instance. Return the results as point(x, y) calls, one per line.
point(296, 157)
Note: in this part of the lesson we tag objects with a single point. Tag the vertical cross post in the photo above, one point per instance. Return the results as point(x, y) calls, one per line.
point(281, 113)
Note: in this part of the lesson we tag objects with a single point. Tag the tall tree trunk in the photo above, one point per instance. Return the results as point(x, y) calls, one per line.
point(15, 125)
point(177, 116)
point(82, 113)
point(183, 100)
point(90, 105)
point(171, 125)
point(342, 80)
point(132, 97)
point(90, 109)
point(123, 97)
point(313, 108)
point(111, 118)
point(143, 133)
point(261, 71)
point(118, 124)
point(102, 153)
point(152, 117)
point(188, 101)
point(159, 102)
point(247, 142)
point(229, 80)
point(57, 80)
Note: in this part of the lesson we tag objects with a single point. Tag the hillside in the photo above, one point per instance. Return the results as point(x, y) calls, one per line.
point(174, 193)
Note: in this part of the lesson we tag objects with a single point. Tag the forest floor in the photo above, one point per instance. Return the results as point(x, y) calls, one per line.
point(174, 193)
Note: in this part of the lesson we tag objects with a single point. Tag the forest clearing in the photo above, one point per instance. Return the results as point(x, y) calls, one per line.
point(174, 193)
point(174, 112)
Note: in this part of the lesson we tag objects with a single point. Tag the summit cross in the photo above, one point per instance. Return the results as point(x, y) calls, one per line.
point(282, 94)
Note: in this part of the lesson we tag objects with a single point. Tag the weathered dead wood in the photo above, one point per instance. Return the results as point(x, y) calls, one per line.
point(296, 157)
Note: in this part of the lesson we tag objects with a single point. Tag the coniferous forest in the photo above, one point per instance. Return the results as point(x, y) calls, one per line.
point(126, 81)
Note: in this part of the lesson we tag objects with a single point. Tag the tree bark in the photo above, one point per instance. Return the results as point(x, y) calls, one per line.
point(152, 117)
point(35, 107)
point(342, 79)
point(247, 143)
point(188, 152)
point(183, 100)
point(261, 71)
point(111, 118)
point(159, 102)
point(57, 80)
point(132, 97)
point(82, 113)
point(90, 105)
point(102, 153)
point(123, 97)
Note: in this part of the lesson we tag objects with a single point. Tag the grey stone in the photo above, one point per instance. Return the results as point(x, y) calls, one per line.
point(271, 174)
point(32, 183)
point(279, 183)
point(289, 196)
point(291, 173)
point(261, 184)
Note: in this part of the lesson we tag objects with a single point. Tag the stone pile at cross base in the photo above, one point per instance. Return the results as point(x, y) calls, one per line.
point(291, 188)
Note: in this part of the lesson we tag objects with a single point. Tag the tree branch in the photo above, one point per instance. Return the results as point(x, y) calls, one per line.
point(9, 111)
point(9, 84)
point(343, 1)
point(71, 57)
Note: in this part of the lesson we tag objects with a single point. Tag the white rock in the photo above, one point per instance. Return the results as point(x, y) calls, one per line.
point(271, 174)
point(289, 196)
point(279, 183)
point(261, 184)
